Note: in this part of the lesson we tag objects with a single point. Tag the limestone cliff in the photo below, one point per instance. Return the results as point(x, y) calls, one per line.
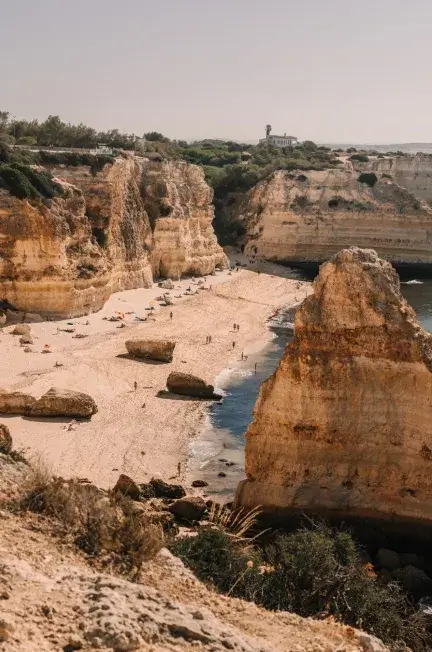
point(412, 172)
point(309, 216)
point(179, 204)
point(344, 424)
point(65, 256)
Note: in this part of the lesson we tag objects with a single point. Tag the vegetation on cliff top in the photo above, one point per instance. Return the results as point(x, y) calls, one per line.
point(25, 182)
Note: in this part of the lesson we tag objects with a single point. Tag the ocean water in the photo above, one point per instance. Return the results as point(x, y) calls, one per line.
point(217, 456)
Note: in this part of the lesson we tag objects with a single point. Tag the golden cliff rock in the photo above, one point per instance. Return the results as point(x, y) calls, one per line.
point(344, 425)
point(179, 204)
point(298, 217)
point(65, 256)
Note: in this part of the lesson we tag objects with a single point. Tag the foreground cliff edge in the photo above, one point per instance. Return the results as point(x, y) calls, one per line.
point(107, 231)
point(344, 425)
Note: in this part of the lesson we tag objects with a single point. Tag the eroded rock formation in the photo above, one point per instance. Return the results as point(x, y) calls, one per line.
point(65, 256)
point(412, 172)
point(179, 204)
point(189, 385)
point(344, 425)
point(64, 403)
point(54, 403)
point(161, 350)
point(309, 216)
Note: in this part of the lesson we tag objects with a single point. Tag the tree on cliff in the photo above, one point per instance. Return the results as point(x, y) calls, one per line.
point(155, 136)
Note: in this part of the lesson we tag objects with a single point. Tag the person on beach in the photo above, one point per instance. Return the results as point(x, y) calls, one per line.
point(179, 469)
point(210, 339)
point(135, 385)
point(171, 315)
point(233, 345)
point(242, 355)
point(255, 367)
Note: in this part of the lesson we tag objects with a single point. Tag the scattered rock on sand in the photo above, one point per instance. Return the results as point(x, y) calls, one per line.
point(15, 402)
point(16, 317)
point(388, 559)
point(191, 508)
point(126, 486)
point(188, 385)
point(164, 490)
point(413, 580)
point(21, 329)
point(199, 483)
point(64, 403)
point(26, 339)
point(167, 284)
point(160, 350)
point(5, 440)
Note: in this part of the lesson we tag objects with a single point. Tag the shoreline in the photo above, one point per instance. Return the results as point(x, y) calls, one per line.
point(137, 432)
point(220, 448)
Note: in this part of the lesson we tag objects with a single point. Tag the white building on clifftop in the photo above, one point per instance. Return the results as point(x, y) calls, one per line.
point(278, 141)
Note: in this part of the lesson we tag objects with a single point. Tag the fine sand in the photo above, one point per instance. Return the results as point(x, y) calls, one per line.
point(135, 431)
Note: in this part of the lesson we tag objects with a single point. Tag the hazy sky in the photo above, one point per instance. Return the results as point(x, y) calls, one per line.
point(326, 70)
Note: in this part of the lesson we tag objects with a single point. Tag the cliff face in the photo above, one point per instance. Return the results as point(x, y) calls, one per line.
point(308, 217)
point(344, 424)
point(179, 204)
point(64, 257)
point(412, 172)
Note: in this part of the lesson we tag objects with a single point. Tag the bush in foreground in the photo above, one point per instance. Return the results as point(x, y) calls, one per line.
point(313, 572)
point(110, 526)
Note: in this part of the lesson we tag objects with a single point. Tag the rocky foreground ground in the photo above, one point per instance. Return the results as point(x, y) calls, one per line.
point(52, 599)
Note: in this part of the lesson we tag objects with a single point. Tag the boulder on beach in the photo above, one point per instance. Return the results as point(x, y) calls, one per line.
point(188, 385)
point(160, 350)
point(17, 317)
point(64, 403)
point(162, 489)
point(199, 483)
point(15, 402)
point(21, 329)
point(190, 508)
point(126, 486)
point(5, 440)
point(26, 339)
point(167, 284)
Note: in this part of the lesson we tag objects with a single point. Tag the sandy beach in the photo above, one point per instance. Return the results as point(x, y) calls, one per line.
point(135, 431)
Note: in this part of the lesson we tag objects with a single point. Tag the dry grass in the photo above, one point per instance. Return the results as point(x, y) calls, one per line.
point(238, 523)
point(104, 525)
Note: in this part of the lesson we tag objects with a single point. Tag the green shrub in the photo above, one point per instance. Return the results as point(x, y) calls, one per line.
point(96, 162)
point(16, 183)
point(369, 178)
point(40, 180)
point(361, 158)
point(224, 561)
point(313, 571)
point(25, 182)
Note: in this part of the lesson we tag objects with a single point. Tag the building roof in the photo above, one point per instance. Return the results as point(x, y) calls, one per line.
point(287, 137)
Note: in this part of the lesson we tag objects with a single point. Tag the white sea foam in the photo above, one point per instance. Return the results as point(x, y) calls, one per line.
point(413, 282)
